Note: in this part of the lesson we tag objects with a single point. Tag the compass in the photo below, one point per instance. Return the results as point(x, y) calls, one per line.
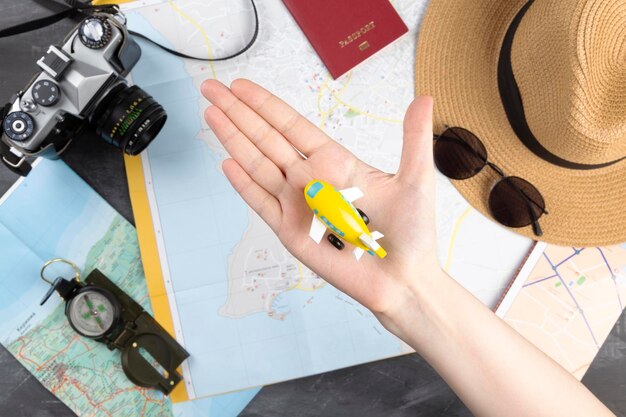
point(93, 312)
point(98, 309)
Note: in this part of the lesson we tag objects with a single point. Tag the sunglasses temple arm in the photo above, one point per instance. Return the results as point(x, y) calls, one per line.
point(543, 210)
point(536, 228)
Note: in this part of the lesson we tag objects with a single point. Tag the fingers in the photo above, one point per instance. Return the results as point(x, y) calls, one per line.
point(304, 135)
point(417, 148)
point(253, 126)
point(262, 171)
point(266, 205)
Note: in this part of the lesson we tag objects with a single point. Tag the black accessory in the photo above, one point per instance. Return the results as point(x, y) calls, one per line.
point(513, 201)
point(96, 308)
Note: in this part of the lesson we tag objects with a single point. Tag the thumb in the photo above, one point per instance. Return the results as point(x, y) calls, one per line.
point(417, 148)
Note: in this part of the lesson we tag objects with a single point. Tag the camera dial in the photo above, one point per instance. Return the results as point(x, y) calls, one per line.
point(46, 93)
point(95, 32)
point(18, 126)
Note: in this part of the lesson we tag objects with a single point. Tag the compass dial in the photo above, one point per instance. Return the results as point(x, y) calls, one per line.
point(92, 312)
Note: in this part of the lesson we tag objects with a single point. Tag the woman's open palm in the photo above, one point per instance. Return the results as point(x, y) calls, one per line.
point(262, 133)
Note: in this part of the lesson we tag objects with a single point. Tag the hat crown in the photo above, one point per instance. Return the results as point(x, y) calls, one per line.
point(569, 62)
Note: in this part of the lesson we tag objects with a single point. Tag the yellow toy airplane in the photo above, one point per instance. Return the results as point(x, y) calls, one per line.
point(334, 210)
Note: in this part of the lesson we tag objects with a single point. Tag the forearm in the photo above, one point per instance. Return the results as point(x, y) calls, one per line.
point(494, 370)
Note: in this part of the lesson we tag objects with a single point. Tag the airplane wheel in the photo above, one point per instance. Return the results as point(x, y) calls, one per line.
point(336, 242)
point(366, 219)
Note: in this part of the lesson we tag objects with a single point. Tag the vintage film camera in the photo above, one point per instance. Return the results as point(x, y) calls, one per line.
point(82, 83)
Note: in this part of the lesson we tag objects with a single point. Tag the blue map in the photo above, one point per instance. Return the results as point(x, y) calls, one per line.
point(52, 214)
point(247, 310)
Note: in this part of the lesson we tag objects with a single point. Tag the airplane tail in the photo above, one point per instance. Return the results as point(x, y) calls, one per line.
point(370, 242)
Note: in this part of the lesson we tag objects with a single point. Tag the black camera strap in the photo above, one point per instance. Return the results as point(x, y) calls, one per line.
point(37, 24)
point(77, 8)
point(251, 42)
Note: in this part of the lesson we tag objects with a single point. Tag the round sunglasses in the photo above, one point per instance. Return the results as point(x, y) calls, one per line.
point(513, 201)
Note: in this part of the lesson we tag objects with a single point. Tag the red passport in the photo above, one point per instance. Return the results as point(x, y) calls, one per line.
point(346, 32)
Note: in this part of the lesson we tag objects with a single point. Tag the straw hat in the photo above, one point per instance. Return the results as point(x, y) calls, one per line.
point(548, 101)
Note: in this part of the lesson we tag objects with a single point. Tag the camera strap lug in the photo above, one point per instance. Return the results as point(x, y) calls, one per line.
point(14, 160)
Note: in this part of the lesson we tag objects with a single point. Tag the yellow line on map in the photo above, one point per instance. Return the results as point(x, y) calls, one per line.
point(297, 285)
point(455, 231)
point(324, 114)
point(337, 97)
point(363, 113)
point(301, 276)
point(200, 29)
point(150, 254)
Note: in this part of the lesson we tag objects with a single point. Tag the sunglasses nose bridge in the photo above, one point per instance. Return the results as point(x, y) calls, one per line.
point(496, 168)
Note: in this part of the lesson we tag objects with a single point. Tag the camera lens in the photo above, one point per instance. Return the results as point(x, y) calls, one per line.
point(129, 118)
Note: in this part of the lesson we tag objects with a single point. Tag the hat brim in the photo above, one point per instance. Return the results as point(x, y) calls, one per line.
point(457, 57)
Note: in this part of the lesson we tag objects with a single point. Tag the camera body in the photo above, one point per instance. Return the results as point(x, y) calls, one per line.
point(83, 83)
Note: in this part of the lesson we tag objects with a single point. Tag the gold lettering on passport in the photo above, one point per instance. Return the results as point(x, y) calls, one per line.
point(356, 35)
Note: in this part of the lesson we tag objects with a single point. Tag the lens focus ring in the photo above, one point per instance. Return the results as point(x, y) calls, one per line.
point(129, 118)
point(18, 126)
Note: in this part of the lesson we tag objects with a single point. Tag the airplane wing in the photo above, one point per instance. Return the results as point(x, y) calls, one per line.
point(317, 230)
point(358, 252)
point(377, 235)
point(351, 194)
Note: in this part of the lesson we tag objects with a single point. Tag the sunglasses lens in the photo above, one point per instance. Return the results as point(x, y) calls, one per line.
point(515, 202)
point(459, 154)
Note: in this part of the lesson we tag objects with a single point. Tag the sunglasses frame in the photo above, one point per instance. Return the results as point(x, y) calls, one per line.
point(535, 219)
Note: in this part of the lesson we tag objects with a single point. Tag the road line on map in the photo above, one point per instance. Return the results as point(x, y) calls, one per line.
point(576, 252)
point(455, 231)
point(200, 29)
point(606, 262)
point(325, 114)
point(580, 310)
point(363, 113)
point(539, 280)
point(337, 97)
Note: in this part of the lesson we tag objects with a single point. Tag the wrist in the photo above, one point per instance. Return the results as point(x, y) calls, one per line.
point(413, 301)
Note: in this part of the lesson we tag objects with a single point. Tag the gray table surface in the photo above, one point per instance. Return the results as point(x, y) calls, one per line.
point(405, 386)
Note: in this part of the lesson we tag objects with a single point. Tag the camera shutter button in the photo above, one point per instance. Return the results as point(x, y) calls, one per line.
point(28, 105)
